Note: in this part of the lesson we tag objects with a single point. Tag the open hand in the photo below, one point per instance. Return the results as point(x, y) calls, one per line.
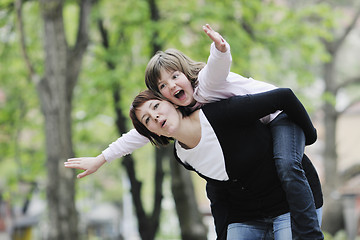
point(89, 164)
point(216, 37)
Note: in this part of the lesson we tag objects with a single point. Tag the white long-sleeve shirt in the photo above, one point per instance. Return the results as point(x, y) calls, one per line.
point(215, 82)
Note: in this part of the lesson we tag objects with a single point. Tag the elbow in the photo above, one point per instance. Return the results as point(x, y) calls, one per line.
point(287, 91)
point(311, 138)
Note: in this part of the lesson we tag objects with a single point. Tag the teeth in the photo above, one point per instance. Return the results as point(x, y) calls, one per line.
point(177, 92)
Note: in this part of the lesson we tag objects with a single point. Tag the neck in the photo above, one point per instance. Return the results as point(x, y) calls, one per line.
point(190, 131)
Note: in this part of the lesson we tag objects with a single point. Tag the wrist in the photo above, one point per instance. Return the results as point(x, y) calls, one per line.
point(222, 52)
point(101, 159)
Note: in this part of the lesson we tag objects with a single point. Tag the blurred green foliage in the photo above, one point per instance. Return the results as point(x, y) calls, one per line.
point(269, 42)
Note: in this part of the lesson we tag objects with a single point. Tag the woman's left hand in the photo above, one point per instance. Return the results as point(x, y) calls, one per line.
point(88, 164)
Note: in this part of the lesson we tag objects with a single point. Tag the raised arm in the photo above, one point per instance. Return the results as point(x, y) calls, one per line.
point(218, 40)
point(218, 65)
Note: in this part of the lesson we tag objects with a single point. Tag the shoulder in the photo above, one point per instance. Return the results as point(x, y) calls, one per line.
point(226, 109)
point(227, 104)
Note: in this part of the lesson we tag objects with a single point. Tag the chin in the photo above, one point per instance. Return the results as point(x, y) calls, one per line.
point(168, 134)
point(184, 103)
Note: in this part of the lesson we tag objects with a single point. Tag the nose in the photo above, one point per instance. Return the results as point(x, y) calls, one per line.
point(155, 116)
point(171, 84)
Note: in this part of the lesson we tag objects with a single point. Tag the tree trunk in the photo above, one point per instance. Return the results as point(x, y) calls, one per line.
point(190, 218)
point(62, 66)
point(56, 108)
point(148, 224)
point(333, 219)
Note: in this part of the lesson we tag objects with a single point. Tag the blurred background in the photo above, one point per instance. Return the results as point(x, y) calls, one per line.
point(69, 70)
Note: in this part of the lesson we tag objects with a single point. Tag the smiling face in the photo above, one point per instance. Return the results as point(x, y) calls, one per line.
point(175, 87)
point(159, 116)
point(174, 76)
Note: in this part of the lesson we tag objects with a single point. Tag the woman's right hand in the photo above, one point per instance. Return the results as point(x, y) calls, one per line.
point(88, 164)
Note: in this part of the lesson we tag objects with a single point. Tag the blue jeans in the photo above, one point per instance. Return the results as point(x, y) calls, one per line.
point(289, 144)
point(278, 228)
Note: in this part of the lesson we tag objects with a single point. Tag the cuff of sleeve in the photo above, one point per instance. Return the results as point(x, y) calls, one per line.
point(215, 52)
point(108, 155)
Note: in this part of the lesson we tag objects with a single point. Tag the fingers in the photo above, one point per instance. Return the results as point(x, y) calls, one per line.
point(74, 159)
point(88, 164)
point(71, 162)
point(215, 36)
point(208, 30)
point(74, 164)
point(83, 174)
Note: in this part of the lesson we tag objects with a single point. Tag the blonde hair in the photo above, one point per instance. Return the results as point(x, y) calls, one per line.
point(171, 60)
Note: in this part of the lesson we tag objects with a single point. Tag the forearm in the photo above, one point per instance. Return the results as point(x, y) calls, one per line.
point(216, 70)
point(284, 99)
point(249, 108)
point(124, 145)
point(297, 113)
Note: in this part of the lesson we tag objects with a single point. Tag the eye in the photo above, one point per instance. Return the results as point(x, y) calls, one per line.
point(156, 106)
point(161, 86)
point(147, 120)
point(175, 75)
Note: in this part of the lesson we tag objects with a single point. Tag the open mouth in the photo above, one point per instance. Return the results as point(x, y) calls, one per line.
point(163, 123)
point(179, 94)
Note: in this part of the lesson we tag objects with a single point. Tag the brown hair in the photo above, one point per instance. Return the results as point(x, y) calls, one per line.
point(139, 100)
point(171, 60)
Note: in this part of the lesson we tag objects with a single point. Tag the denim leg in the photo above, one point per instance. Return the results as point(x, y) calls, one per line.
point(319, 215)
point(282, 227)
point(289, 144)
point(251, 230)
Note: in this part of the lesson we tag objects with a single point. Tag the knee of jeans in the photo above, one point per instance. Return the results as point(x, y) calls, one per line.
point(288, 159)
point(289, 169)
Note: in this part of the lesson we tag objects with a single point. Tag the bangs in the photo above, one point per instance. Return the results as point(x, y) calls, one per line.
point(163, 63)
point(139, 100)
